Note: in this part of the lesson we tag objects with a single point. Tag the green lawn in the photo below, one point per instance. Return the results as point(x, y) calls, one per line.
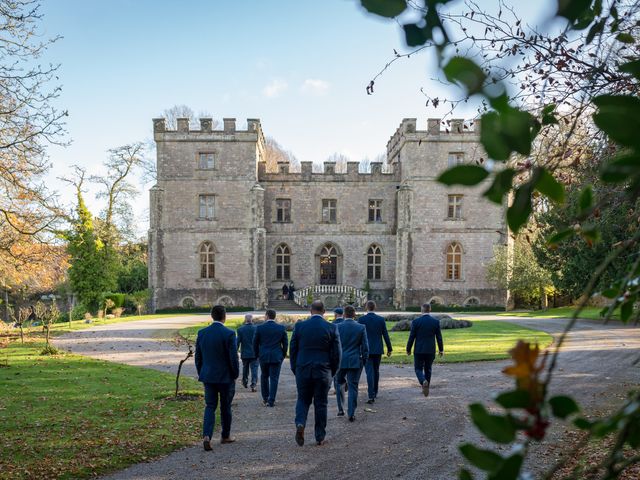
point(68, 416)
point(485, 340)
point(592, 313)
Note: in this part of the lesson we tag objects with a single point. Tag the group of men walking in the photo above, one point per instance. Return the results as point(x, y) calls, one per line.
point(320, 353)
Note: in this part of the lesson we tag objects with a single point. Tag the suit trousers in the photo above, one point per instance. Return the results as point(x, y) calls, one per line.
point(313, 384)
point(372, 369)
point(269, 377)
point(215, 393)
point(422, 363)
point(250, 364)
point(352, 377)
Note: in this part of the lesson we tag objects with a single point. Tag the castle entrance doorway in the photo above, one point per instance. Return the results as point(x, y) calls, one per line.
point(328, 265)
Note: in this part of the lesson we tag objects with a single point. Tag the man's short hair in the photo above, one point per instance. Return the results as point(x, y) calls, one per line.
point(349, 311)
point(371, 305)
point(248, 318)
point(338, 311)
point(271, 314)
point(218, 312)
point(426, 307)
point(317, 307)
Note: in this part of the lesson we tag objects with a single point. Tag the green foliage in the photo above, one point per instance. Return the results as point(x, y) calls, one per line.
point(116, 298)
point(133, 274)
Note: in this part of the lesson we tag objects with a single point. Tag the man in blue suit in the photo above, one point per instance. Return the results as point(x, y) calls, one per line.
point(270, 346)
point(355, 352)
point(338, 315)
point(425, 330)
point(315, 357)
point(216, 360)
point(249, 360)
point(376, 331)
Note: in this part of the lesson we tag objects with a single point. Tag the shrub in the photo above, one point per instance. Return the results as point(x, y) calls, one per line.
point(200, 309)
point(117, 312)
point(446, 322)
point(88, 316)
point(116, 298)
point(436, 307)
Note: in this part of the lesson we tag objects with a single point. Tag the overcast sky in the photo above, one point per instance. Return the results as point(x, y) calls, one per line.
point(300, 66)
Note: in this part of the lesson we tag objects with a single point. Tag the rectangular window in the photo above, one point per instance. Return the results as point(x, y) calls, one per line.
point(375, 210)
point(455, 207)
point(207, 206)
point(455, 159)
point(206, 161)
point(329, 210)
point(283, 210)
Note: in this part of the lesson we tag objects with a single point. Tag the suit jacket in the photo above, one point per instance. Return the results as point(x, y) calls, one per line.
point(216, 354)
point(338, 320)
point(355, 346)
point(376, 330)
point(425, 330)
point(270, 342)
point(245, 341)
point(315, 346)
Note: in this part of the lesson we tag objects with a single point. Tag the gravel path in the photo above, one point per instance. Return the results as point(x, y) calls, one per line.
point(405, 436)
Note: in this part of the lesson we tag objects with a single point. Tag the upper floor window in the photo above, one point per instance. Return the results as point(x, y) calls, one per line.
point(375, 210)
point(454, 261)
point(283, 210)
point(206, 161)
point(207, 260)
point(374, 263)
point(283, 262)
point(206, 206)
point(329, 210)
point(454, 210)
point(455, 158)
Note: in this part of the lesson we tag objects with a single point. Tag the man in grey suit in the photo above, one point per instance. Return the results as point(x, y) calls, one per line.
point(355, 353)
point(425, 330)
point(249, 359)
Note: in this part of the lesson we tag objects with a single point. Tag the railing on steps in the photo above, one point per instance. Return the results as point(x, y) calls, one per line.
point(347, 293)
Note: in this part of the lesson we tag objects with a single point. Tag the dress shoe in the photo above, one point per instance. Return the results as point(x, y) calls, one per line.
point(341, 413)
point(244, 384)
point(352, 418)
point(206, 443)
point(227, 440)
point(300, 435)
point(371, 401)
point(253, 388)
point(264, 403)
point(321, 442)
point(425, 388)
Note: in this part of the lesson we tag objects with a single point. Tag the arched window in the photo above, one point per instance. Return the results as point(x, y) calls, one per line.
point(283, 262)
point(454, 261)
point(328, 265)
point(207, 260)
point(374, 263)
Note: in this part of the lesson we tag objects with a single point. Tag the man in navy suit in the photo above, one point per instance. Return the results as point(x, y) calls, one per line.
point(216, 360)
point(270, 346)
point(315, 357)
point(338, 315)
point(425, 330)
point(249, 360)
point(376, 331)
point(355, 352)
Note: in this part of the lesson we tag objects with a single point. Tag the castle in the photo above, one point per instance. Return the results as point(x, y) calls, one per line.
point(224, 230)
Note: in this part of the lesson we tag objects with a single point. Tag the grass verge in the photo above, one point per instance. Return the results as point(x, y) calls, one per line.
point(485, 340)
point(591, 313)
point(68, 416)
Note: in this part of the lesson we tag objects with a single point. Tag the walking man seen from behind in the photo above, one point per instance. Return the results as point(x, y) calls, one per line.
point(355, 352)
point(425, 330)
point(249, 359)
point(270, 346)
point(216, 360)
point(376, 331)
point(315, 357)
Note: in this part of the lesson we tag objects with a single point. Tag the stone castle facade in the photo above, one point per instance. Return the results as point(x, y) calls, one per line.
point(224, 230)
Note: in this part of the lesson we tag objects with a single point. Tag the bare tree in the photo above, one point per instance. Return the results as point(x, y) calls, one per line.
point(171, 116)
point(274, 153)
point(340, 161)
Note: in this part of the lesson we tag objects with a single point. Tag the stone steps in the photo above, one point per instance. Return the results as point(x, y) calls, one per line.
point(279, 305)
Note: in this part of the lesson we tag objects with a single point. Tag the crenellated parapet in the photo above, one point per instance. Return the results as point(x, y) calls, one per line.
point(438, 130)
point(328, 174)
point(228, 132)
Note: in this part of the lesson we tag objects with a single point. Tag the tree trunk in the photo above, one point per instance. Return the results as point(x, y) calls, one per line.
point(189, 355)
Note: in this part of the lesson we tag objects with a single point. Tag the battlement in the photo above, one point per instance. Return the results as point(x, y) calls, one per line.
point(328, 174)
point(438, 130)
point(229, 131)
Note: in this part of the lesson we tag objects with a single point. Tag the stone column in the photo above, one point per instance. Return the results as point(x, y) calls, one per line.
point(403, 245)
point(156, 254)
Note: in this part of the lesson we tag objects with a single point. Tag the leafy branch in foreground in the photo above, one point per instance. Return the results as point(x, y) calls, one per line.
point(598, 50)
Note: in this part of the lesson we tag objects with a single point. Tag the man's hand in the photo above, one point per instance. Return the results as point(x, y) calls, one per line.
point(408, 352)
point(389, 353)
point(441, 354)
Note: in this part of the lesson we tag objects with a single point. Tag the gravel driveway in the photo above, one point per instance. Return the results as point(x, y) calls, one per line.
point(404, 436)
